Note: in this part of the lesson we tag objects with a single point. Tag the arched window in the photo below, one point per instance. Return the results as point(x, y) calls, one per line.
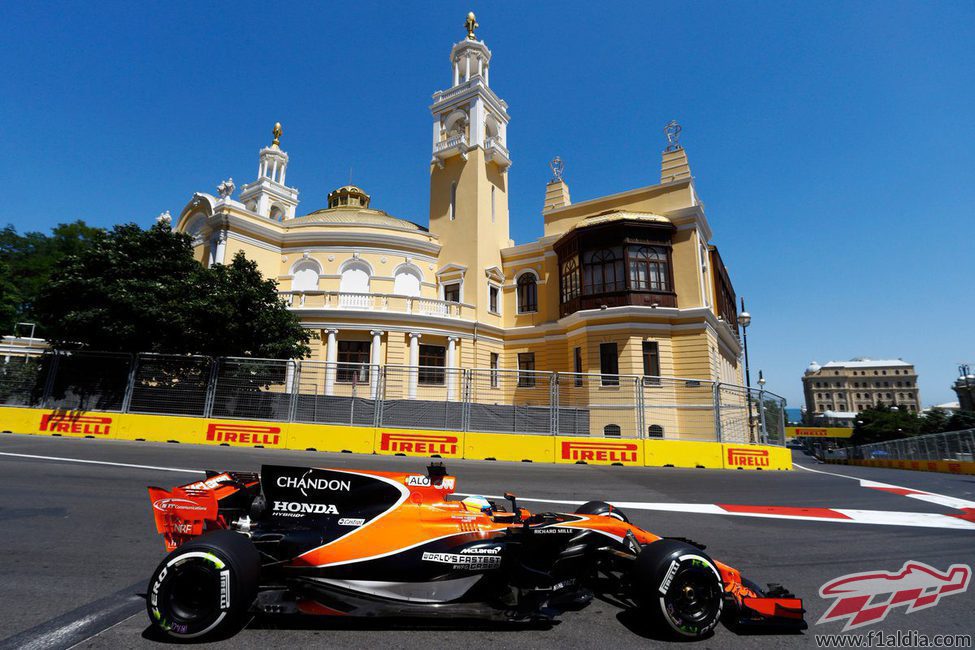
point(527, 293)
point(602, 271)
point(304, 276)
point(406, 280)
point(570, 279)
point(649, 268)
point(277, 213)
point(453, 201)
point(655, 431)
point(355, 283)
point(611, 431)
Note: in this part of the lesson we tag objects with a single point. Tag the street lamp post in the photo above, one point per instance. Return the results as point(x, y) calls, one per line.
point(762, 424)
point(745, 319)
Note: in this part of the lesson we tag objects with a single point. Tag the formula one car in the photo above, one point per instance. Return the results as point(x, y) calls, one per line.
point(331, 542)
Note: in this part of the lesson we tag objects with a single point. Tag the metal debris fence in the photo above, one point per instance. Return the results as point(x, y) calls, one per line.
point(419, 397)
point(950, 446)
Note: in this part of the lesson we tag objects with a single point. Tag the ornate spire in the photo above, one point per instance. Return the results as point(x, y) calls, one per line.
point(558, 168)
point(471, 25)
point(672, 131)
point(277, 134)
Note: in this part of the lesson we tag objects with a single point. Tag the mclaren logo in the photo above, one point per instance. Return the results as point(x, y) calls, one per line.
point(614, 452)
point(243, 434)
point(78, 424)
point(748, 457)
point(417, 443)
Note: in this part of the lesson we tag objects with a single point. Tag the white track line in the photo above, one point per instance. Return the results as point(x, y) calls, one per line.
point(103, 462)
point(878, 517)
point(911, 493)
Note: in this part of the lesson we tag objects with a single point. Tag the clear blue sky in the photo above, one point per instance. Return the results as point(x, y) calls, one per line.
point(833, 142)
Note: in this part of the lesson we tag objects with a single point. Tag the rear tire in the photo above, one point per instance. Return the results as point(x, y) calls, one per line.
point(679, 588)
point(205, 588)
point(602, 508)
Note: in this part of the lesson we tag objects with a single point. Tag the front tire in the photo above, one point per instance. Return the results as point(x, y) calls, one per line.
point(204, 589)
point(679, 588)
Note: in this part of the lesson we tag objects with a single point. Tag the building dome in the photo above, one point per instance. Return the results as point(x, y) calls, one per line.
point(348, 195)
point(353, 216)
point(813, 367)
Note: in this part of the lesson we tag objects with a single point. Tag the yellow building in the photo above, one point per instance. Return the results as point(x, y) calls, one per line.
point(627, 284)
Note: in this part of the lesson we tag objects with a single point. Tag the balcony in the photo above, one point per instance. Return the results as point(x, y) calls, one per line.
point(495, 150)
point(452, 146)
point(376, 302)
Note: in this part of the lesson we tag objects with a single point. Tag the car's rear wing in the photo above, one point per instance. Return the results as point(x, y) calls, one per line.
point(192, 509)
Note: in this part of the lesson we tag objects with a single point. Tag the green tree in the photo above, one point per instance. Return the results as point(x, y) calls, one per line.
point(882, 423)
point(27, 262)
point(934, 421)
point(135, 290)
point(960, 421)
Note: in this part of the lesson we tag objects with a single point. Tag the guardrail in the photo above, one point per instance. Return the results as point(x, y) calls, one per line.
point(949, 446)
point(422, 397)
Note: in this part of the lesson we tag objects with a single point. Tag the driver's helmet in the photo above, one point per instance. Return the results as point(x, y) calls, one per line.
point(476, 504)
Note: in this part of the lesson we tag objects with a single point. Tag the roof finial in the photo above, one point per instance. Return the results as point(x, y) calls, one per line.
point(471, 25)
point(277, 134)
point(558, 167)
point(672, 131)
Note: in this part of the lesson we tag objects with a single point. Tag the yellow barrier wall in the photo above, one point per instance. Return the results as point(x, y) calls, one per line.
point(408, 442)
point(943, 466)
point(598, 451)
point(756, 457)
point(327, 437)
point(419, 442)
point(658, 453)
point(505, 446)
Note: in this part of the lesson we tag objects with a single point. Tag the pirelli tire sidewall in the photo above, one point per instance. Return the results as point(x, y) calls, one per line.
point(661, 570)
point(205, 588)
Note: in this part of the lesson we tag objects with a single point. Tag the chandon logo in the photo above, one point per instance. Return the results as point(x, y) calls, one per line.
point(305, 482)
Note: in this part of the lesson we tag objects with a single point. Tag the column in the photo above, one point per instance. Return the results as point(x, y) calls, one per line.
point(456, 73)
point(487, 72)
point(274, 170)
point(414, 362)
point(331, 357)
point(283, 168)
point(451, 374)
point(260, 169)
point(220, 250)
point(374, 361)
point(467, 75)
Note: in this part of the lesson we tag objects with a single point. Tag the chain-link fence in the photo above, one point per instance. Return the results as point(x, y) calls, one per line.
point(420, 397)
point(950, 446)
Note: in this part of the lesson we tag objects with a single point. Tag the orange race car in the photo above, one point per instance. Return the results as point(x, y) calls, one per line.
point(335, 542)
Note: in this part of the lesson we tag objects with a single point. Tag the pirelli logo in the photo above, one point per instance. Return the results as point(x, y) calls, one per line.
point(417, 443)
point(232, 433)
point(745, 457)
point(88, 425)
point(612, 452)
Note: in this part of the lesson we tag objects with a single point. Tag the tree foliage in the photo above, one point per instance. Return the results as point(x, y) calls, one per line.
point(26, 264)
point(882, 423)
point(135, 290)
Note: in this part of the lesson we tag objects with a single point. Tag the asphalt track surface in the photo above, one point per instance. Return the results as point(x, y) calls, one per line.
point(77, 542)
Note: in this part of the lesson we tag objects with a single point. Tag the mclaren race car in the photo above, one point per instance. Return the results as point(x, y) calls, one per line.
point(343, 543)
